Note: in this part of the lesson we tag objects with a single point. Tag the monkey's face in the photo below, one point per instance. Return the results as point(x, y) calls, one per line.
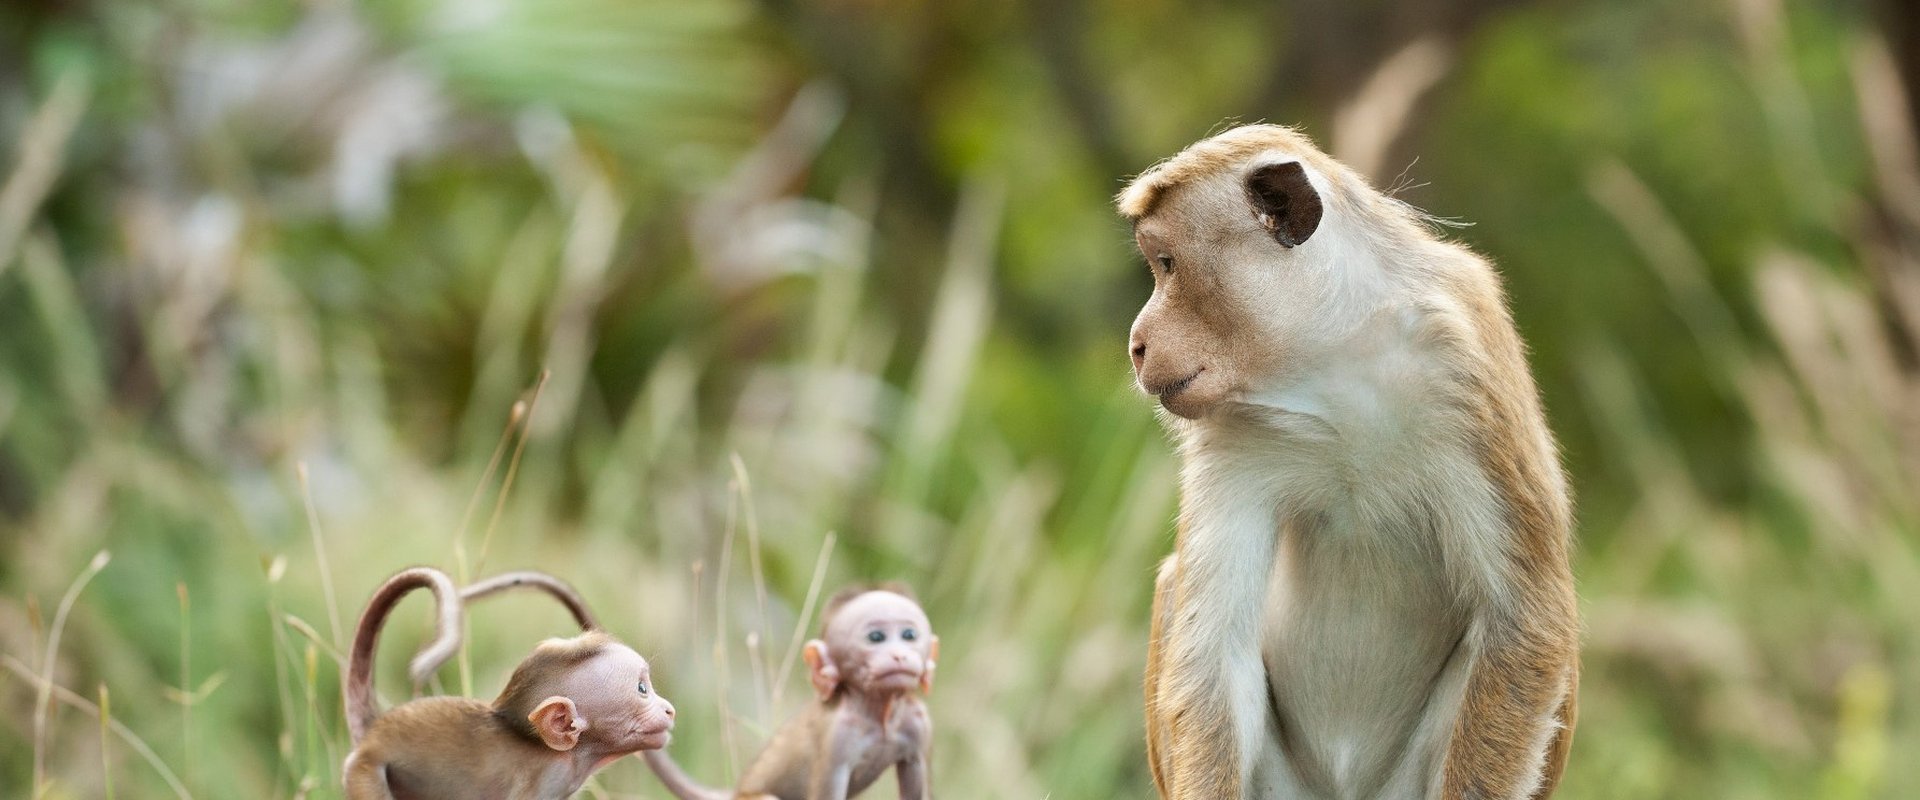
point(616, 695)
point(882, 643)
point(1241, 285)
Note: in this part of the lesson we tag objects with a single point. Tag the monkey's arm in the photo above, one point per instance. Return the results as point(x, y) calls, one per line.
point(1516, 721)
point(831, 771)
point(914, 782)
point(1157, 627)
point(1211, 685)
point(830, 779)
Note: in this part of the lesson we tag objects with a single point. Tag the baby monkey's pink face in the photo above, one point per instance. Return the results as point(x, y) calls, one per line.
point(881, 642)
point(616, 694)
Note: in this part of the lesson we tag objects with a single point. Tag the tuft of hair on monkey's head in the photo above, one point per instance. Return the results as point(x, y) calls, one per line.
point(847, 594)
point(874, 640)
point(529, 683)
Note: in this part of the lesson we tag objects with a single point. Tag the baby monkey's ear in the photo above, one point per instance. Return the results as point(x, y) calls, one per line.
point(1284, 201)
point(825, 676)
point(933, 658)
point(557, 722)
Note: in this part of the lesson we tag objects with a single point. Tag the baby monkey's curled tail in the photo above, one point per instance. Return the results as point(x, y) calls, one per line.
point(538, 580)
point(447, 626)
point(430, 659)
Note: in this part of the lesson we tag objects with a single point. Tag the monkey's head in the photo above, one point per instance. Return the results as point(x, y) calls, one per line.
point(589, 690)
point(875, 642)
point(1246, 234)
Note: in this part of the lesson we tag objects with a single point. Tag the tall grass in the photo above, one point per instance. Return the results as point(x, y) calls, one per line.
point(270, 405)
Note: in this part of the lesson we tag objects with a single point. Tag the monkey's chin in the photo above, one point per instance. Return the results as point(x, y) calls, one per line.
point(1189, 403)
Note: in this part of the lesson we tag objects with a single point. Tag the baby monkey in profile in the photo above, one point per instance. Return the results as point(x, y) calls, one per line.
point(570, 708)
point(874, 658)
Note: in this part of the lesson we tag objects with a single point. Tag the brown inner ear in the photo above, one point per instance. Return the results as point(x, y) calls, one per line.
point(1284, 201)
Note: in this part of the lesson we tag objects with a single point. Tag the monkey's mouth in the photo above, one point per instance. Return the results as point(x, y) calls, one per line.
point(901, 675)
point(1169, 390)
point(656, 736)
point(1174, 396)
point(1169, 393)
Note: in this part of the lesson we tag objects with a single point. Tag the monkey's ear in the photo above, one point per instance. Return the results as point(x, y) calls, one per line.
point(933, 660)
point(558, 723)
point(820, 668)
point(1285, 202)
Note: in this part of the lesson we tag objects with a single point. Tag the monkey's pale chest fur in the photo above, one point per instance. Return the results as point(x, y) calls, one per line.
point(1361, 627)
point(1353, 657)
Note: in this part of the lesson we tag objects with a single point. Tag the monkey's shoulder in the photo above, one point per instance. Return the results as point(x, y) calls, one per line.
point(784, 765)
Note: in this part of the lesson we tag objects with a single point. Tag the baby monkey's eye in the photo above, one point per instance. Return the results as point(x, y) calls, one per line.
point(908, 634)
point(876, 636)
point(1166, 263)
point(643, 687)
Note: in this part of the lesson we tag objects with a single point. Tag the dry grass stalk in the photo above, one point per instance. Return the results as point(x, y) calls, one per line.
point(68, 696)
point(319, 553)
point(41, 701)
point(42, 151)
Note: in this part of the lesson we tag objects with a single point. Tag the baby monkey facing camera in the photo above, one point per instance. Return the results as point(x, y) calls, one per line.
point(874, 658)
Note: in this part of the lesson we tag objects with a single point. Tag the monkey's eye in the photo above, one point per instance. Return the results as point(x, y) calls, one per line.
point(643, 688)
point(1166, 263)
point(908, 634)
point(876, 636)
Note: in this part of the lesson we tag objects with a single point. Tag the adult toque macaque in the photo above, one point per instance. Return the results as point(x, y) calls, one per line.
point(1370, 593)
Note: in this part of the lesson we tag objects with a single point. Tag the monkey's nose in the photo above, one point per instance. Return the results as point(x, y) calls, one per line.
point(1139, 355)
point(669, 706)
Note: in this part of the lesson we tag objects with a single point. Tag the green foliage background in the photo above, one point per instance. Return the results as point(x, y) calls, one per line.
point(838, 284)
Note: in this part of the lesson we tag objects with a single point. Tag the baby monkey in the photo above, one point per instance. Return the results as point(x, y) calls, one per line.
point(874, 657)
point(570, 708)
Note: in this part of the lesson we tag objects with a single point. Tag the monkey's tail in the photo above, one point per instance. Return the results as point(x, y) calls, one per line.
point(677, 780)
point(538, 580)
point(428, 662)
point(447, 630)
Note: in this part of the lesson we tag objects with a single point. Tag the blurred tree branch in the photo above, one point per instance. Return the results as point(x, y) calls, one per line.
point(892, 92)
point(1056, 34)
point(891, 96)
point(1900, 22)
point(1330, 49)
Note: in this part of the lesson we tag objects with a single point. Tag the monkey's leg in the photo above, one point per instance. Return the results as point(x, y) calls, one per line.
point(1519, 697)
point(1212, 684)
point(912, 773)
point(1156, 719)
